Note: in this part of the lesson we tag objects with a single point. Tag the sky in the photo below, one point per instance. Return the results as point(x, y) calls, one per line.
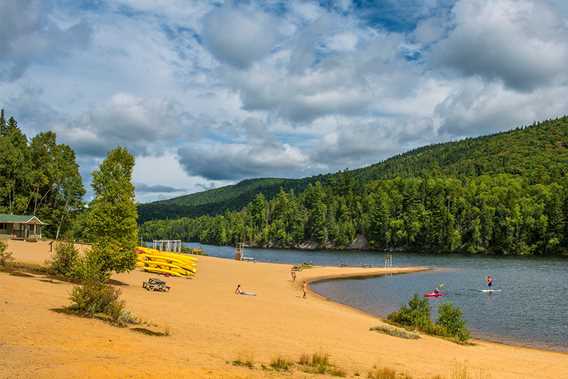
point(208, 93)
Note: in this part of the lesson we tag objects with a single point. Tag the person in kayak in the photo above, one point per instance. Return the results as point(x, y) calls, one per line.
point(489, 281)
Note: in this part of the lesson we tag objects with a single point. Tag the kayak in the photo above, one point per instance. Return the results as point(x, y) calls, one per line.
point(434, 294)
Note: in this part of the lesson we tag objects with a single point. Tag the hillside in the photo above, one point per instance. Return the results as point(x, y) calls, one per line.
point(538, 153)
point(219, 200)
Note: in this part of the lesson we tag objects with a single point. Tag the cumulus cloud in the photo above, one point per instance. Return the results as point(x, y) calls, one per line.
point(523, 43)
point(235, 161)
point(239, 35)
point(29, 35)
point(143, 125)
point(206, 93)
point(476, 108)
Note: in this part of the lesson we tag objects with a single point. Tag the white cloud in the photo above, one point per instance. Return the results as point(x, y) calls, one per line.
point(239, 36)
point(208, 93)
point(524, 43)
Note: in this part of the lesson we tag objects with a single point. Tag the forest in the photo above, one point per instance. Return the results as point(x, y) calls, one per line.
point(502, 194)
point(39, 177)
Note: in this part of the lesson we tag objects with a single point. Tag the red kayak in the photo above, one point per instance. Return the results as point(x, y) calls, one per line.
point(434, 294)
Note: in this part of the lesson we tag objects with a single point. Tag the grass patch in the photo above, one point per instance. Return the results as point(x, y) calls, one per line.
point(150, 332)
point(244, 360)
point(319, 363)
point(387, 373)
point(280, 363)
point(395, 332)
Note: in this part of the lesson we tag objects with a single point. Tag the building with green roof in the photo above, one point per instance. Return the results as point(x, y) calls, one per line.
point(20, 226)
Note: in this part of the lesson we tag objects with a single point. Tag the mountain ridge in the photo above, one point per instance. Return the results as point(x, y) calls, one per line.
point(546, 143)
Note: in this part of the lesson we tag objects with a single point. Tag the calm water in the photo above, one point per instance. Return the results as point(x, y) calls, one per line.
point(532, 308)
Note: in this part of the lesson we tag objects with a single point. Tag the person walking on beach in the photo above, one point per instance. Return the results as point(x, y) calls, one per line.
point(305, 288)
point(293, 274)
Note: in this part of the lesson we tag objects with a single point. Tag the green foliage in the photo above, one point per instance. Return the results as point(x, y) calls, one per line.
point(112, 218)
point(280, 363)
point(94, 298)
point(395, 332)
point(65, 260)
point(451, 323)
point(5, 256)
point(415, 315)
point(39, 178)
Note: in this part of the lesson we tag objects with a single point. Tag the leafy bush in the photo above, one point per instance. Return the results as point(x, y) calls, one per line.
point(451, 323)
point(94, 296)
point(65, 259)
point(5, 256)
point(416, 315)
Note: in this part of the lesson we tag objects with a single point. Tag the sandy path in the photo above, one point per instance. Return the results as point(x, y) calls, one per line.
point(210, 325)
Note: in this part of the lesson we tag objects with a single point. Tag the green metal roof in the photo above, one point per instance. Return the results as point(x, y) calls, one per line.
point(17, 219)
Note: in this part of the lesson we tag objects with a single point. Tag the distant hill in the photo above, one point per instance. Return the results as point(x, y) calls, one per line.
point(219, 200)
point(538, 152)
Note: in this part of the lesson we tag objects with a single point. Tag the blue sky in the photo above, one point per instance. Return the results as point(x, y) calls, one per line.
point(207, 93)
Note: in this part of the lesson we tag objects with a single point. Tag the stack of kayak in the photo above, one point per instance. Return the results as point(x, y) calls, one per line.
point(166, 263)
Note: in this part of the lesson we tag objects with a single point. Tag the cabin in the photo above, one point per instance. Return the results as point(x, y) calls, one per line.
point(21, 227)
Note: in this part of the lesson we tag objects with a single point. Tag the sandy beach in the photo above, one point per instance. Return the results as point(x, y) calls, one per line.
point(210, 327)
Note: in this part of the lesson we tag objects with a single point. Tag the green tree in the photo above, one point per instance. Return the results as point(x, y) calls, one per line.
point(112, 217)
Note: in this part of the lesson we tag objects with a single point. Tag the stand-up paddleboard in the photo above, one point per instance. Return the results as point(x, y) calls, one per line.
point(490, 291)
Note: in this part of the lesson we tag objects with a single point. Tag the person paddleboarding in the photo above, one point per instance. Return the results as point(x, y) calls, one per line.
point(489, 281)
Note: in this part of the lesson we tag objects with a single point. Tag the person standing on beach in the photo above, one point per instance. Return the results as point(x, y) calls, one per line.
point(293, 274)
point(305, 290)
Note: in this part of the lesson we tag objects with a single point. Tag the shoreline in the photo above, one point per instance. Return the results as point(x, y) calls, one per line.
point(474, 339)
point(211, 327)
point(562, 257)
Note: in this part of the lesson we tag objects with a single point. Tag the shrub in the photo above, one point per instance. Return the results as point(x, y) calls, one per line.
point(5, 256)
point(65, 260)
point(451, 323)
point(94, 296)
point(415, 315)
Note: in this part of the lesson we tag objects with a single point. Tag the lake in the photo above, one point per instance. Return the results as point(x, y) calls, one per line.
point(531, 309)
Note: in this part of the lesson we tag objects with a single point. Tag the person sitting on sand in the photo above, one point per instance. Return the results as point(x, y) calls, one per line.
point(238, 290)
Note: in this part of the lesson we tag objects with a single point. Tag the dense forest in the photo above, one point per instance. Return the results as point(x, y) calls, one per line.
point(501, 194)
point(538, 153)
point(38, 177)
point(219, 200)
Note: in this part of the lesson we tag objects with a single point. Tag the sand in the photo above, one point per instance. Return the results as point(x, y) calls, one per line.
point(210, 326)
